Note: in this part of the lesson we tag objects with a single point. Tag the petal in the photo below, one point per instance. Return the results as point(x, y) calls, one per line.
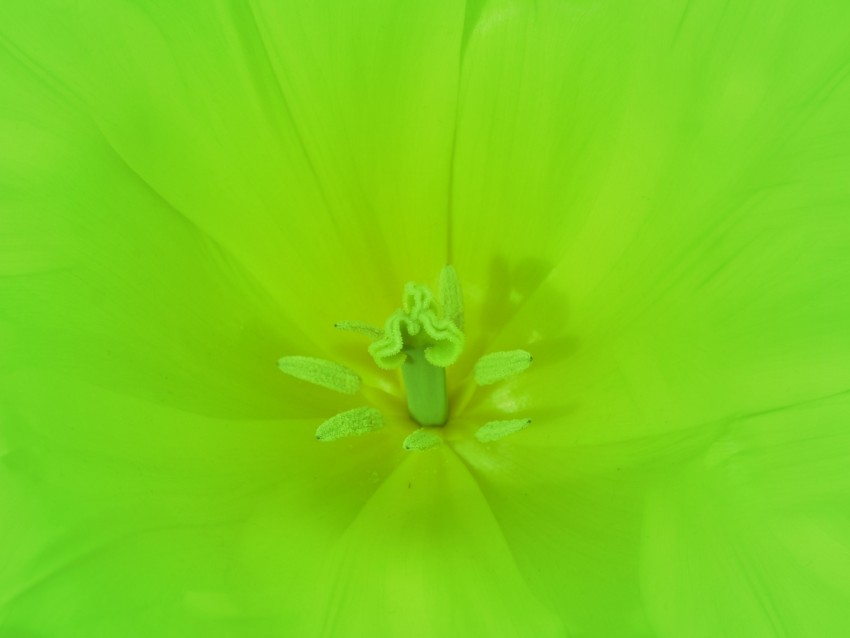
point(752, 535)
point(314, 150)
point(100, 279)
point(423, 552)
point(133, 530)
point(540, 110)
point(708, 287)
point(573, 518)
point(736, 526)
point(639, 141)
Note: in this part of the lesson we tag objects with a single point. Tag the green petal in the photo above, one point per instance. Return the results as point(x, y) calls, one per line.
point(573, 518)
point(752, 534)
point(101, 280)
point(103, 275)
point(540, 109)
point(124, 518)
point(272, 130)
point(696, 286)
point(424, 556)
point(703, 282)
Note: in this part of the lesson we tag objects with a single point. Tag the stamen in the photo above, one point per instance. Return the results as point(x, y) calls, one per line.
point(350, 423)
point(495, 430)
point(327, 374)
point(360, 327)
point(451, 296)
point(422, 439)
point(497, 366)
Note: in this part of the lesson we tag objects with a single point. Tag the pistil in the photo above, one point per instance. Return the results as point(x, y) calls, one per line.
point(425, 384)
point(423, 341)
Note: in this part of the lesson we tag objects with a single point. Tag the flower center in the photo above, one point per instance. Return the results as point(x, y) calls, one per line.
point(422, 338)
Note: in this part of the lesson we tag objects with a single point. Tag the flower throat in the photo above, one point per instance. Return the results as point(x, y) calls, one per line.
point(422, 338)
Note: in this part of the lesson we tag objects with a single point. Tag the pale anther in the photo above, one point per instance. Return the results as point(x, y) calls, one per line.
point(350, 423)
point(451, 296)
point(422, 439)
point(495, 430)
point(360, 327)
point(327, 374)
point(495, 367)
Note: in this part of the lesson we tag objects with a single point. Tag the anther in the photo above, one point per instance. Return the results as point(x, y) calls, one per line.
point(495, 430)
point(495, 367)
point(327, 374)
point(350, 423)
point(451, 296)
point(422, 439)
point(360, 327)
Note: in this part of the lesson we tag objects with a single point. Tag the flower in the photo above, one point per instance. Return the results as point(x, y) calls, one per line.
point(650, 199)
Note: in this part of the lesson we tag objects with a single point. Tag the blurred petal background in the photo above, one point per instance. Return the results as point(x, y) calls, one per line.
point(652, 198)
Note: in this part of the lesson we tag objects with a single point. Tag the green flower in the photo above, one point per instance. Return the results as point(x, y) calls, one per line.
point(649, 198)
